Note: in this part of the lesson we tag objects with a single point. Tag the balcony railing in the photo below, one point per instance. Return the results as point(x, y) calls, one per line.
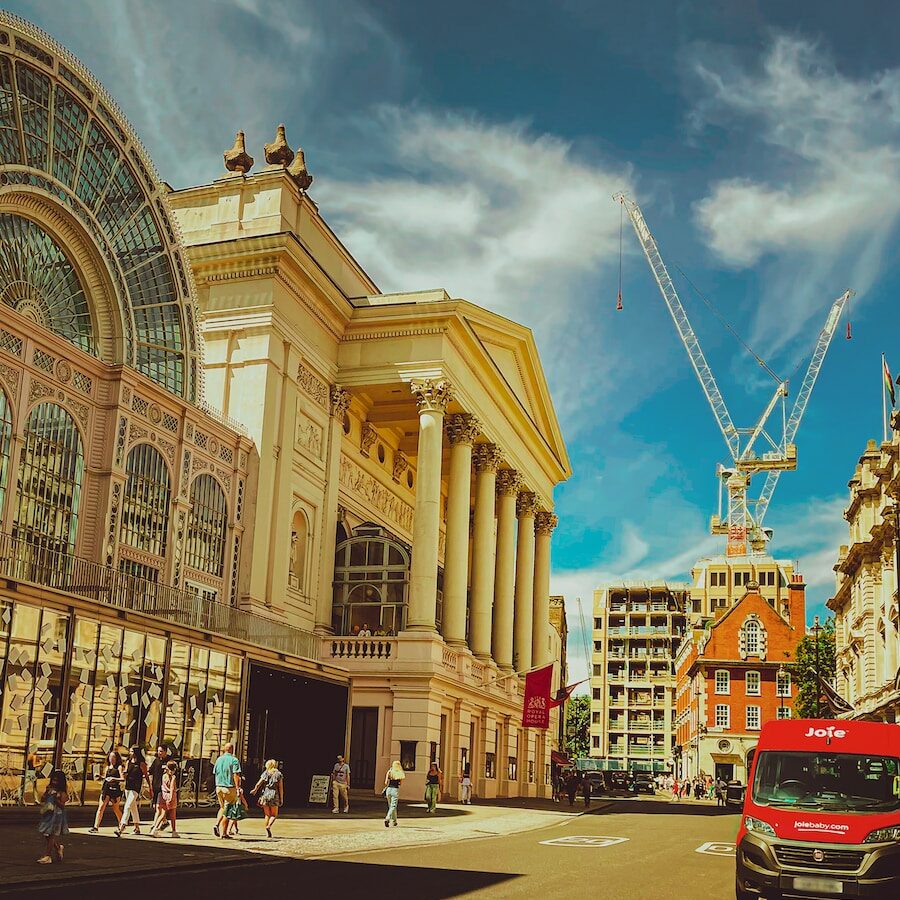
point(31, 563)
point(366, 648)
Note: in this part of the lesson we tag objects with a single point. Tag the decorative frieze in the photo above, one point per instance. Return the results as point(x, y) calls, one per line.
point(313, 385)
point(309, 435)
point(371, 492)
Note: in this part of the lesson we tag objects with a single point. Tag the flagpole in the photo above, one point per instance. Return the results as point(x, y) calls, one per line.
point(883, 398)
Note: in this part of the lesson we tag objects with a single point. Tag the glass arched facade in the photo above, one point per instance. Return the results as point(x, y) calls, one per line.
point(145, 506)
point(51, 471)
point(5, 436)
point(207, 529)
point(371, 579)
point(59, 136)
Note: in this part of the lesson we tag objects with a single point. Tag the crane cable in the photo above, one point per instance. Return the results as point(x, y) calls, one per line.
point(727, 325)
point(621, 226)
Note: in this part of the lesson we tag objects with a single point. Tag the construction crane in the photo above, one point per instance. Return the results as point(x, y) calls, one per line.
point(743, 523)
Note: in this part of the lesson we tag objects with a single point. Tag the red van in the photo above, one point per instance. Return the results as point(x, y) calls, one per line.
point(822, 812)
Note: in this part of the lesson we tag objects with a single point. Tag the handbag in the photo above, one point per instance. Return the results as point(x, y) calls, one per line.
point(235, 811)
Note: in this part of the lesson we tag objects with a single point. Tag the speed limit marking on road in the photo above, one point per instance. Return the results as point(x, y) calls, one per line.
point(716, 848)
point(585, 840)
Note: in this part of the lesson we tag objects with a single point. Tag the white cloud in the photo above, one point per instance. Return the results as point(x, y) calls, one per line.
point(496, 213)
point(828, 198)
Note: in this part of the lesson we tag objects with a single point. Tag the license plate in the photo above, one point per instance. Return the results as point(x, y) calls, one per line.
point(825, 885)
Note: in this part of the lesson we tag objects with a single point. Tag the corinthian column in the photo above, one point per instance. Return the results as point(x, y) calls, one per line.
point(505, 570)
point(462, 430)
point(544, 523)
point(340, 400)
point(432, 396)
point(526, 506)
point(487, 459)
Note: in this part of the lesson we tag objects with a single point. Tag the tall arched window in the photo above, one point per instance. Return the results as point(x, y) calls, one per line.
point(207, 527)
point(51, 470)
point(145, 507)
point(5, 434)
point(751, 637)
point(371, 573)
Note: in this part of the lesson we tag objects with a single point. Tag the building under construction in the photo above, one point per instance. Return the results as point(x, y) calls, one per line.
point(638, 628)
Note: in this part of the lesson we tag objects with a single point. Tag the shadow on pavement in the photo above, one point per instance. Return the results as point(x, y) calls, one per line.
point(666, 807)
point(282, 877)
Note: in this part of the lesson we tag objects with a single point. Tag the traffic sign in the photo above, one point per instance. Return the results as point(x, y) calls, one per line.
point(585, 840)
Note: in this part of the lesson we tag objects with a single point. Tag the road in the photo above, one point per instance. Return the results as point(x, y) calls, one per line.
point(634, 849)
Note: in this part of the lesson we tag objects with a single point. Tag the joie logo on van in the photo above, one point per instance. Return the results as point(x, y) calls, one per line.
point(828, 732)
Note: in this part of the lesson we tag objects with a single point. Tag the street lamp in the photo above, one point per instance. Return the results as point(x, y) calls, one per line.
point(779, 682)
point(818, 675)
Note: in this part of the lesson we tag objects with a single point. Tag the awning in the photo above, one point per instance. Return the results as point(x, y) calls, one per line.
point(732, 758)
point(559, 758)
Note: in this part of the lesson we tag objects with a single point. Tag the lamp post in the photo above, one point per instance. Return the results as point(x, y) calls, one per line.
point(818, 676)
point(779, 681)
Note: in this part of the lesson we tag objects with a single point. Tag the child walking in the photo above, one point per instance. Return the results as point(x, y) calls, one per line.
point(53, 824)
point(167, 803)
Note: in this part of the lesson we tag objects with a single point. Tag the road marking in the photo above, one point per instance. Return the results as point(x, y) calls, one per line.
point(716, 848)
point(584, 840)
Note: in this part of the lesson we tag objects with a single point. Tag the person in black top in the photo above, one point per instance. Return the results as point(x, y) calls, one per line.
point(111, 790)
point(157, 770)
point(136, 774)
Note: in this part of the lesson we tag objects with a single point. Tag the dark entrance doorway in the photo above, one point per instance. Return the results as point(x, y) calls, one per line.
point(363, 745)
point(299, 721)
point(725, 771)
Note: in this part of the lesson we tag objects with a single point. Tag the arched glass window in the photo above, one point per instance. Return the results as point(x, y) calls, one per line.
point(145, 507)
point(751, 637)
point(51, 470)
point(5, 434)
point(371, 574)
point(207, 527)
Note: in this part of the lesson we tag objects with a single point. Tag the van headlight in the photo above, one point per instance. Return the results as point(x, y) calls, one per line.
point(881, 835)
point(759, 827)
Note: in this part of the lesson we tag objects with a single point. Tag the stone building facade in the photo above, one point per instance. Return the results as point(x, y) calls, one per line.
point(867, 642)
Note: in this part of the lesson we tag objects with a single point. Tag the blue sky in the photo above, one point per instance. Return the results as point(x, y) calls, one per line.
point(476, 147)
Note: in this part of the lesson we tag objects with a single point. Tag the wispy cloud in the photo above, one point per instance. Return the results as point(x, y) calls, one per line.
point(825, 203)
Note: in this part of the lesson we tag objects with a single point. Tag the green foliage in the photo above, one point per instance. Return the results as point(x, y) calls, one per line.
point(804, 671)
point(578, 727)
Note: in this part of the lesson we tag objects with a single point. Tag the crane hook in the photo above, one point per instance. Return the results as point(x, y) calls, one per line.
point(619, 302)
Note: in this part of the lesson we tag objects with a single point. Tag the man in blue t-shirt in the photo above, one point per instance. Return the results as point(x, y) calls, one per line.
point(227, 771)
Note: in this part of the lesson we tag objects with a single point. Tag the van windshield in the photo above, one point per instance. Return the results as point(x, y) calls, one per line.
point(827, 781)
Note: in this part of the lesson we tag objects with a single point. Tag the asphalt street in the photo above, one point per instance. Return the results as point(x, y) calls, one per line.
point(631, 850)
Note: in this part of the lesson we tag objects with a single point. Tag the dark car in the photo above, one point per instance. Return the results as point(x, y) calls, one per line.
point(619, 782)
point(643, 783)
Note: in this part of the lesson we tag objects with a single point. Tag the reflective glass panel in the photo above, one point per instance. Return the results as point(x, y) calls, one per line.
point(130, 689)
point(106, 700)
point(207, 527)
point(5, 436)
point(145, 506)
point(34, 107)
point(82, 671)
point(151, 710)
point(193, 732)
point(10, 151)
point(69, 121)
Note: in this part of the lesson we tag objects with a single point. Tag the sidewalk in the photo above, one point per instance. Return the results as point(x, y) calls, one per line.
point(299, 834)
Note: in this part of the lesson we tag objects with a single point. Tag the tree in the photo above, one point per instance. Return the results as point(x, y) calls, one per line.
point(810, 701)
point(578, 727)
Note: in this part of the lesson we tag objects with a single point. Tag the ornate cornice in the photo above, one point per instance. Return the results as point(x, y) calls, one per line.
point(487, 457)
point(432, 394)
point(312, 385)
point(393, 333)
point(508, 482)
point(462, 428)
point(545, 522)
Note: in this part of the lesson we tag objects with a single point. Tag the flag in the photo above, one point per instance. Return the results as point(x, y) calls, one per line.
point(564, 693)
point(536, 706)
point(889, 382)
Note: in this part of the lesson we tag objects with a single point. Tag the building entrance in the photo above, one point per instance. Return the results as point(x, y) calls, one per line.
point(363, 746)
point(298, 721)
point(725, 771)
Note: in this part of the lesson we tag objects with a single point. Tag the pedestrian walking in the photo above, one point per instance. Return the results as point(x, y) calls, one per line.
point(698, 789)
point(434, 787)
point(572, 788)
point(586, 791)
point(675, 788)
point(340, 786)
point(110, 790)
point(136, 774)
point(227, 773)
point(271, 793)
point(392, 781)
point(167, 800)
point(465, 787)
point(53, 823)
point(721, 790)
point(157, 769)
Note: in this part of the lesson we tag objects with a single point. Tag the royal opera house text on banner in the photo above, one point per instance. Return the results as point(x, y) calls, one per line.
point(536, 709)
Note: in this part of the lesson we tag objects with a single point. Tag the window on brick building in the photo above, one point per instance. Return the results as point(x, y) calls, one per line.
point(752, 681)
point(784, 684)
point(723, 681)
point(753, 718)
point(723, 715)
point(751, 637)
point(784, 712)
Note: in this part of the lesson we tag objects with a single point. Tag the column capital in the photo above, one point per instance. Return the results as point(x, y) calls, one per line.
point(462, 428)
point(487, 457)
point(401, 464)
point(545, 522)
point(367, 437)
point(432, 394)
point(508, 482)
point(526, 504)
point(340, 401)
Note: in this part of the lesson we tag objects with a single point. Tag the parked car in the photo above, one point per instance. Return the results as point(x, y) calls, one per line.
point(619, 782)
point(643, 783)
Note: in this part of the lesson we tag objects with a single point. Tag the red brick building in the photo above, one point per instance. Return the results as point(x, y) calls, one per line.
point(733, 673)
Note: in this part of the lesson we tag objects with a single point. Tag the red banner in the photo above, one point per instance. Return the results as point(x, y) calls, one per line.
point(536, 709)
